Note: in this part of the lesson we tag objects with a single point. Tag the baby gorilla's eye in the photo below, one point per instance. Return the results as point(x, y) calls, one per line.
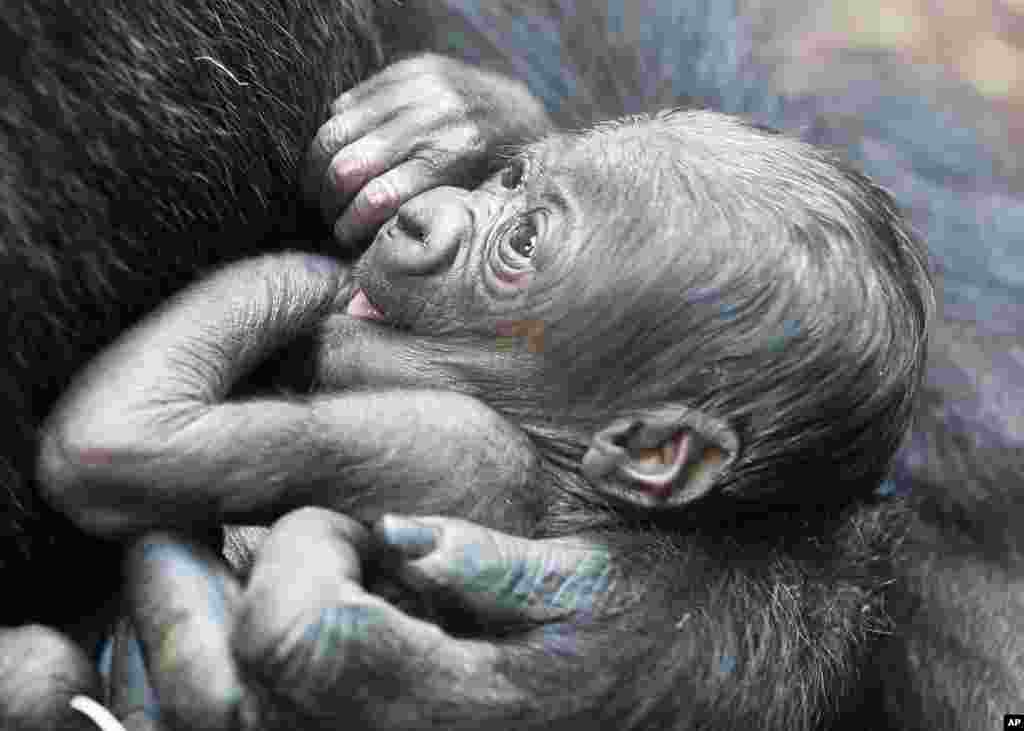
point(514, 176)
point(522, 241)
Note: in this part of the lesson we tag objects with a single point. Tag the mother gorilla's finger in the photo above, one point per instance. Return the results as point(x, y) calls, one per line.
point(131, 697)
point(182, 600)
point(325, 650)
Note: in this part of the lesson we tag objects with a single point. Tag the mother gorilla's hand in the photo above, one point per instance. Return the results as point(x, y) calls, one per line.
point(303, 644)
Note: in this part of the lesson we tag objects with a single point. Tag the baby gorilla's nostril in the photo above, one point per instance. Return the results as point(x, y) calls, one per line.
point(409, 224)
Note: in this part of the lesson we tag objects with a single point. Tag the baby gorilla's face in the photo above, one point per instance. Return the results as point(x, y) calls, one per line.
point(686, 260)
point(455, 261)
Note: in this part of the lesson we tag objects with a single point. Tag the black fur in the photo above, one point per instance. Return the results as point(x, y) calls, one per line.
point(141, 143)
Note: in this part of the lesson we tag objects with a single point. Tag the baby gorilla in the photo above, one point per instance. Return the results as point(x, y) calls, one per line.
point(694, 340)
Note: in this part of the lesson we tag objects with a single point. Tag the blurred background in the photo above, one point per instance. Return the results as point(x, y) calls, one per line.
point(976, 43)
point(938, 85)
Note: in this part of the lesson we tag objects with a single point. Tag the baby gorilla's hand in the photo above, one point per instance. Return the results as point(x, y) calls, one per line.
point(421, 123)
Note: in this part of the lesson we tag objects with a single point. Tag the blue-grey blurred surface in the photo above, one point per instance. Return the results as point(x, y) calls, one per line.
point(865, 77)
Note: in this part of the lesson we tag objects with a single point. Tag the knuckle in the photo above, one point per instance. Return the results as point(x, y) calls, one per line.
point(350, 168)
point(478, 557)
point(40, 671)
point(277, 270)
point(301, 521)
point(453, 102)
point(44, 647)
point(431, 57)
point(267, 630)
point(320, 522)
point(415, 67)
point(470, 139)
point(328, 139)
point(436, 159)
point(380, 193)
point(428, 62)
point(342, 103)
point(336, 634)
point(285, 640)
point(454, 157)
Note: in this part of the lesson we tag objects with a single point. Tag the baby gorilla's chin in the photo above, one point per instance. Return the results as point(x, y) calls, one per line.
point(361, 308)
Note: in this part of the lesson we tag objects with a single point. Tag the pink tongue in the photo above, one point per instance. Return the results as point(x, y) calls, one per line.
point(360, 307)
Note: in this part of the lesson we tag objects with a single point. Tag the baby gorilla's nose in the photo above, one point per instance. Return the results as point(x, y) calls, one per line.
point(425, 235)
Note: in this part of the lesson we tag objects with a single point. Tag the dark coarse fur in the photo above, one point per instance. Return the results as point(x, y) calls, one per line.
point(141, 142)
point(956, 662)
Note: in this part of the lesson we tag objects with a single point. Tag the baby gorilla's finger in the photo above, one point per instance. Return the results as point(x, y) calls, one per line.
point(392, 86)
point(354, 114)
point(41, 671)
point(502, 579)
point(312, 635)
point(380, 199)
point(390, 144)
point(182, 601)
point(400, 72)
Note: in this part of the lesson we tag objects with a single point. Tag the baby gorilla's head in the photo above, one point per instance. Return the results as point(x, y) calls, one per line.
point(688, 271)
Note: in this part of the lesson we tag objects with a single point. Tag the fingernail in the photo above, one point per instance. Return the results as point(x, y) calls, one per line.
point(380, 194)
point(129, 681)
point(412, 538)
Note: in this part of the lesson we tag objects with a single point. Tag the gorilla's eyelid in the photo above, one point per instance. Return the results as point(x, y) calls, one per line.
point(540, 179)
point(550, 187)
point(522, 162)
point(556, 193)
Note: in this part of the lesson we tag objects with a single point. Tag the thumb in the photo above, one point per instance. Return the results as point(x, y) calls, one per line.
point(500, 578)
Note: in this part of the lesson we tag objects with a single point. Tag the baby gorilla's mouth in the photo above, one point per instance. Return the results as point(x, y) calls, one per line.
point(361, 308)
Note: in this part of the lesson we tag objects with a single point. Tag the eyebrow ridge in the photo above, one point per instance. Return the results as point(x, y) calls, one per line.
point(547, 181)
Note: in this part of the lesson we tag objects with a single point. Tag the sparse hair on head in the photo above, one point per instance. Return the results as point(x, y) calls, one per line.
point(755, 277)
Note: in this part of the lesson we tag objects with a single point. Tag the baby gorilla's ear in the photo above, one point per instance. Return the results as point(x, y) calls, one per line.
point(666, 458)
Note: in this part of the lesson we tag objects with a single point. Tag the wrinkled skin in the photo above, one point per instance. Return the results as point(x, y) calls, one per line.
point(337, 655)
point(420, 123)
